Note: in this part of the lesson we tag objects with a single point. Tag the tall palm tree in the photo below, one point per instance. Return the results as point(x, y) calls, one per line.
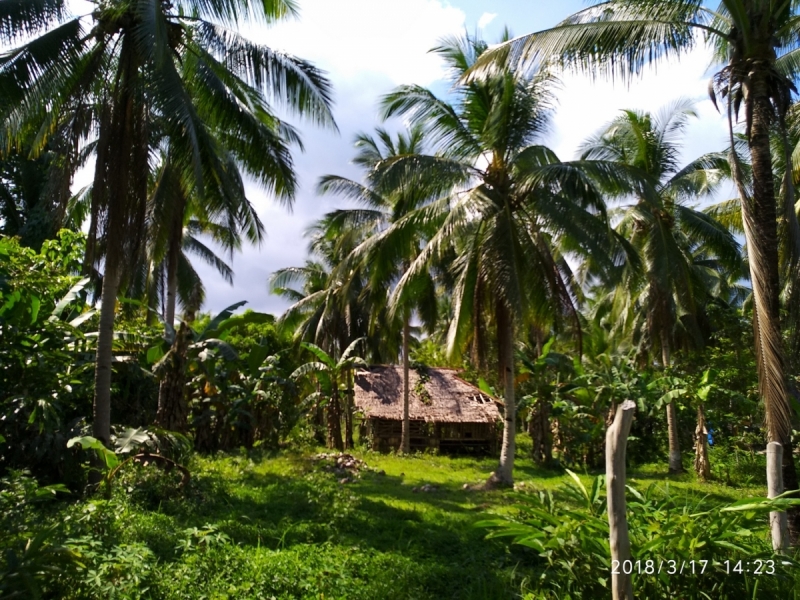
point(330, 309)
point(756, 51)
point(335, 305)
point(35, 192)
point(178, 214)
point(384, 254)
point(516, 211)
point(113, 71)
point(669, 285)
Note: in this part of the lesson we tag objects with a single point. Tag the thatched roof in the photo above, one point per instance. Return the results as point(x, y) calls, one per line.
point(447, 397)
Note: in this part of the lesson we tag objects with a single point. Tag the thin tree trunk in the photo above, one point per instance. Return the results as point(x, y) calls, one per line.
point(616, 445)
point(319, 423)
point(541, 435)
point(173, 408)
point(172, 288)
point(777, 519)
point(675, 463)
point(335, 420)
point(120, 188)
point(790, 483)
point(348, 413)
point(405, 440)
point(101, 426)
point(173, 254)
point(701, 464)
point(150, 295)
point(504, 474)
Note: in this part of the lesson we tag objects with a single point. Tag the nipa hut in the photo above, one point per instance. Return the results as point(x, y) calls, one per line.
point(446, 412)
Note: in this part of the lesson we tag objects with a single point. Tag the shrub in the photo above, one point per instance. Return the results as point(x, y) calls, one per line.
point(568, 537)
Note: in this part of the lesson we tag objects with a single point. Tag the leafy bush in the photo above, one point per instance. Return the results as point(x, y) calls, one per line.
point(32, 559)
point(46, 359)
point(568, 538)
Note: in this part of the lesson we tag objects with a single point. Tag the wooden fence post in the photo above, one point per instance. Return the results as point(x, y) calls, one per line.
point(621, 560)
point(777, 519)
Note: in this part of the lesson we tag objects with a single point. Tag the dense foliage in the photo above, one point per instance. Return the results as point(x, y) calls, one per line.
point(148, 449)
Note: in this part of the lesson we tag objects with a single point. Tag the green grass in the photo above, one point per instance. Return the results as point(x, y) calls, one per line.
point(278, 526)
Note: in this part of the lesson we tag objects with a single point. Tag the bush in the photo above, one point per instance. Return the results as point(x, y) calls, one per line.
point(568, 538)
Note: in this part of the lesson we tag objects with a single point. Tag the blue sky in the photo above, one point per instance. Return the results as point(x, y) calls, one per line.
point(370, 46)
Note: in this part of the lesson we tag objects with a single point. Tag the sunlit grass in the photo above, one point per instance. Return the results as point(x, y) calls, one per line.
point(255, 525)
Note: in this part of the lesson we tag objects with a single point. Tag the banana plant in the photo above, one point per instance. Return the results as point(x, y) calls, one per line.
point(547, 373)
point(334, 378)
point(697, 395)
point(131, 445)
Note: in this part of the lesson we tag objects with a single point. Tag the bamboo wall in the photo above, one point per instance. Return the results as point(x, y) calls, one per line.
point(456, 438)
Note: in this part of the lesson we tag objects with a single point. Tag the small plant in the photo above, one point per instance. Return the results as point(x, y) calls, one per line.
point(420, 390)
point(127, 443)
point(201, 539)
point(569, 538)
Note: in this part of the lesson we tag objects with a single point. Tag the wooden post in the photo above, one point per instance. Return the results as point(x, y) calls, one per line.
point(616, 443)
point(777, 519)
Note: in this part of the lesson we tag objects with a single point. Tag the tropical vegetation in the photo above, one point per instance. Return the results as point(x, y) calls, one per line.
point(153, 448)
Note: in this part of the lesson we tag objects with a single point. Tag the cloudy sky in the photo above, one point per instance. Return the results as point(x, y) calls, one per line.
point(367, 48)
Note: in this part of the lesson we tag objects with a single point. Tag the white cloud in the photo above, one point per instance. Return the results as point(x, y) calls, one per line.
point(352, 38)
point(368, 47)
point(485, 19)
point(586, 104)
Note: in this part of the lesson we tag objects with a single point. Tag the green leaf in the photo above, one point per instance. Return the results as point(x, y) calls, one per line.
point(155, 354)
point(87, 442)
point(485, 387)
point(225, 349)
point(82, 318)
point(68, 298)
point(597, 488)
point(256, 358)
point(672, 395)
point(35, 304)
point(323, 356)
point(130, 439)
point(580, 485)
point(223, 315)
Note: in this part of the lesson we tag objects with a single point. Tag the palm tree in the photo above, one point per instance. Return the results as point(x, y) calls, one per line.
point(178, 215)
point(515, 211)
point(384, 254)
point(130, 67)
point(334, 305)
point(668, 286)
point(755, 44)
point(35, 197)
point(331, 309)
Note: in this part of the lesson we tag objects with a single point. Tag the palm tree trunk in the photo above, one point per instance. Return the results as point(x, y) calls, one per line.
point(504, 474)
point(675, 463)
point(405, 439)
point(319, 423)
point(540, 428)
point(759, 216)
point(173, 254)
point(101, 426)
point(701, 465)
point(172, 287)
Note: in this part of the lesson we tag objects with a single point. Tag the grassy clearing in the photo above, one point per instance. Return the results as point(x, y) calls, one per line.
point(278, 526)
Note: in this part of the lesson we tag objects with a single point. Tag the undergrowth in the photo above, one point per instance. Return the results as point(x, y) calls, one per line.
point(258, 525)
